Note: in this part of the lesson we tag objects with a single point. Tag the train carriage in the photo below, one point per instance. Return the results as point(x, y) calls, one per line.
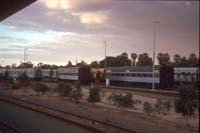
point(16, 72)
point(81, 74)
point(186, 74)
point(139, 76)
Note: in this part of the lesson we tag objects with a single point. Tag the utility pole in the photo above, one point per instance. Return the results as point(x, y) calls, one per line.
point(25, 54)
point(154, 44)
point(131, 62)
point(105, 53)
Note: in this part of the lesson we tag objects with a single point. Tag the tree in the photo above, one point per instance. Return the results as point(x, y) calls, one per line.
point(98, 76)
point(94, 64)
point(144, 60)
point(187, 102)
point(23, 80)
point(14, 65)
point(94, 95)
point(39, 64)
point(69, 64)
point(7, 66)
point(133, 57)
point(184, 62)
point(64, 89)
point(147, 107)
point(122, 60)
point(6, 75)
point(163, 59)
point(193, 60)
point(119, 60)
point(122, 101)
point(51, 74)
point(26, 65)
point(177, 60)
point(81, 64)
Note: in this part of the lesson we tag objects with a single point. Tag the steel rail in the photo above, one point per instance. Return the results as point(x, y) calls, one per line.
point(94, 125)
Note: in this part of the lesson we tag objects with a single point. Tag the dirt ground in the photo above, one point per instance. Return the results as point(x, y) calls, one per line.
point(171, 119)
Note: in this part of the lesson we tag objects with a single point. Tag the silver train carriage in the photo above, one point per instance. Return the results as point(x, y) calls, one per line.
point(140, 76)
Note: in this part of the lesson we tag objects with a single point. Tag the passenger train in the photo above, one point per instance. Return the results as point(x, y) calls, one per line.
point(165, 77)
point(140, 76)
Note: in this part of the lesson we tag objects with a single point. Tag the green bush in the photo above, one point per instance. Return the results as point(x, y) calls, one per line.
point(167, 105)
point(38, 87)
point(187, 102)
point(147, 107)
point(15, 86)
point(122, 101)
point(159, 106)
point(94, 95)
point(64, 89)
point(76, 92)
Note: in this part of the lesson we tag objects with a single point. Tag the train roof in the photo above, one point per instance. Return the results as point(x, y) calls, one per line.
point(133, 68)
point(186, 68)
point(73, 67)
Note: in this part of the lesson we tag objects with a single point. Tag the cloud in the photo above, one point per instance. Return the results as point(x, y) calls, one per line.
point(92, 18)
point(13, 39)
point(78, 5)
point(76, 29)
point(90, 11)
point(58, 4)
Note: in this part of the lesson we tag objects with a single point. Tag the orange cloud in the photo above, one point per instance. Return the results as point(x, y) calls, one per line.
point(58, 4)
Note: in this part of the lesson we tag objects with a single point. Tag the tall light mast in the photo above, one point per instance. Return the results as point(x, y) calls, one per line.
point(25, 54)
point(154, 44)
point(105, 53)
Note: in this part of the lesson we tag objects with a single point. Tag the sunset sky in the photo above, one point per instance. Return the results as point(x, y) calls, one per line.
point(56, 31)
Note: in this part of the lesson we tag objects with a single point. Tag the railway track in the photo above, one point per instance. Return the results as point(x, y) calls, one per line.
point(6, 127)
point(149, 91)
point(88, 123)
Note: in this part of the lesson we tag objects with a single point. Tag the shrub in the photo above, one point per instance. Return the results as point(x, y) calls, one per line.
point(122, 101)
point(15, 86)
point(94, 95)
point(137, 101)
point(187, 102)
point(167, 105)
point(159, 105)
point(147, 107)
point(64, 89)
point(76, 93)
point(38, 87)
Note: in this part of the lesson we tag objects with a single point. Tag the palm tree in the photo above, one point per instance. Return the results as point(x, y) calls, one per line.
point(133, 57)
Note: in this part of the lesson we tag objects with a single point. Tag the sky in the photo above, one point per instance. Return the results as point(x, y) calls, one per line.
point(56, 31)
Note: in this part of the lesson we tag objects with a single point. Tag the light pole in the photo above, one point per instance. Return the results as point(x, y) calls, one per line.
point(105, 53)
point(25, 54)
point(154, 43)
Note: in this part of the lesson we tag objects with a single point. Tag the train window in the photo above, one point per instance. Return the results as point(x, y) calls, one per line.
point(127, 74)
point(117, 74)
point(122, 74)
point(133, 75)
